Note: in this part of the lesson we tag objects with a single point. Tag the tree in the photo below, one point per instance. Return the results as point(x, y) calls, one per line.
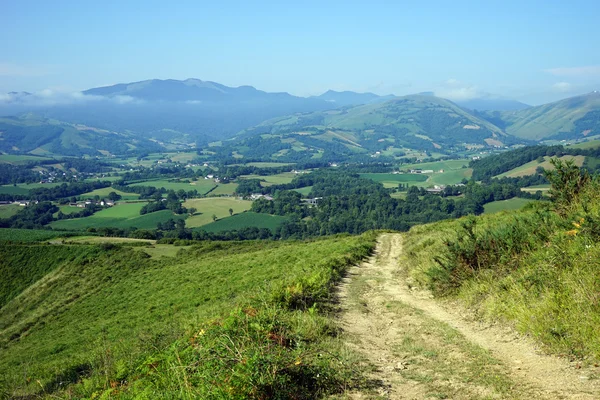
point(192, 210)
point(567, 181)
point(114, 196)
point(230, 211)
point(214, 217)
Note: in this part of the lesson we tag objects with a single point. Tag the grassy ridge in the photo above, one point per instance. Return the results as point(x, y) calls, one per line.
point(30, 235)
point(535, 269)
point(221, 320)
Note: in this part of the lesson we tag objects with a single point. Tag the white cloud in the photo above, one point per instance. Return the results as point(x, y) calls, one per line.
point(453, 89)
point(562, 87)
point(57, 96)
point(585, 71)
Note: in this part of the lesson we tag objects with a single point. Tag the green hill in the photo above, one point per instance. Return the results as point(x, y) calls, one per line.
point(399, 126)
point(234, 320)
point(36, 135)
point(572, 118)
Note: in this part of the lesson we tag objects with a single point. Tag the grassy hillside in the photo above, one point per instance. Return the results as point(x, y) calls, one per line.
point(535, 269)
point(245, 220)
point(39, 136)
point(576, 117)
point(218, 206)
point(398, 127)
point(530, 167)
point(218, 320)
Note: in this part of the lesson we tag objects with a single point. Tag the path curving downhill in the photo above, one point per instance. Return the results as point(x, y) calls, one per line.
point(417, 348)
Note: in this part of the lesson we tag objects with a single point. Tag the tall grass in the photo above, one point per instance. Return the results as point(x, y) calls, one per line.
point(536, 269)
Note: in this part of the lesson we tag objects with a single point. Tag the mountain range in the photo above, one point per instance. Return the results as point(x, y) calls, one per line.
point(173, 114)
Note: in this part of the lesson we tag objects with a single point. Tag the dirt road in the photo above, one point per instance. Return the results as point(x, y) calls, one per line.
point(418, 348)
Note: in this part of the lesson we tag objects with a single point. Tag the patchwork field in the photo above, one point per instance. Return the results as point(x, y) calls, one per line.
point(227, 189)
point(122, 216)
point(245, 220)
point(210, 206)
point(7, 211)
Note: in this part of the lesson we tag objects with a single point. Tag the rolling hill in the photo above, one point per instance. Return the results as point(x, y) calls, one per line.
point(395, 127)
point(572, 118)
point(33, 134)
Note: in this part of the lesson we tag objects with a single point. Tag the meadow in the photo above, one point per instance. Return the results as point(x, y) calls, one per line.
point(9, 210)
point(104, 192)
point(201, 185)
point(122, 216)
point(305, 191)
point(31, 235)
point(223, 189)
point(210, 206)
point(437, 165)
point(269, 180)
point(530, 167)
point(392, 180)
point(245, 220)
point(120, 323)
point(20, 158)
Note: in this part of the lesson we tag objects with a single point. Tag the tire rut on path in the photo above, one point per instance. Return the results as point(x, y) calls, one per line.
point(418, 348)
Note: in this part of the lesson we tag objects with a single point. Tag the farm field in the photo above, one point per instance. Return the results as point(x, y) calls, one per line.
point(305, 191)
point(450, 177)
point(591, 144)
point(202, 185)
point(392, 180)
point(104, 192)
point(268, 164)
point(515, 203)
point(245, 220)
point(530, 167)
point(107, 239)
point(437, 165)
point(227, 189)
point(218, 206)
point(278, 179)
point(122, 216)
point(7, 211)
point(24, 188)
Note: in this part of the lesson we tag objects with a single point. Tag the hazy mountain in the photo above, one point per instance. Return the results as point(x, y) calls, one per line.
point(571, 118)
point(408, 123)
point(347, 98)
point(36, 135)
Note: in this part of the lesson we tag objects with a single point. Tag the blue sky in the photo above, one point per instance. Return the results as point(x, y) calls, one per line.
point(534, 51)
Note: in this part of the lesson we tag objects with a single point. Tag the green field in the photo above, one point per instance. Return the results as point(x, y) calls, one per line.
point(591, 144)
point(392, 180)
point(218, 206)
point(202, 185)
point(305, 191)
point(245, 220)
point(530, 167)
point(24, 188)
point(31, 235)
point(122, 216)
point(267, 164)
point(450, 177)
point(515, 203)
point(105, 315)
point(227, 189)
point(7, 211)
point(437, 165)
point(104, 192)
point(269, 180)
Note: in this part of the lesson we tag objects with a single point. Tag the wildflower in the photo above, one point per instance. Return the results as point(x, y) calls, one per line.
point(201, 332)
point(298, 362)
point(572, 232)
point(576, 225)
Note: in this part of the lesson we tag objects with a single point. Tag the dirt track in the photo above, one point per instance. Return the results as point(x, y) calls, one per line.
point(419, 348)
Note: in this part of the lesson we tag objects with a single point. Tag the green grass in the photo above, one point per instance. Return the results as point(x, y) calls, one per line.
point(122, 216)
point(515, 203)
point(278, 179)
point(245, 220)
point(12, 189)
point(30, 235)
point(451, 177)
point(227, 189)
point(530, 167)
point(268, 164)
point(113, 315)
point(7, 211)
point(202, 185)
point(437, 165)
point(592, 144)
point(305, 191)
point(535, 269)
point(210, 206)
point(392, 180)
point(104, 192)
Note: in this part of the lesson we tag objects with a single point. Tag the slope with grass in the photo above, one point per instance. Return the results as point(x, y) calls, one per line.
point(218, 320)
point(246, 219)
point(218, 206)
